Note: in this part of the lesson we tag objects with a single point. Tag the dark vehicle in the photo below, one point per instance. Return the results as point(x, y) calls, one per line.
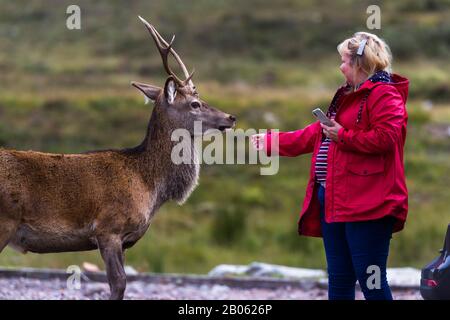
point(435, 280)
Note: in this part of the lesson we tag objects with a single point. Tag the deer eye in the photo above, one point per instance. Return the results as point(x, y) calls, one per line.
point(195, 104)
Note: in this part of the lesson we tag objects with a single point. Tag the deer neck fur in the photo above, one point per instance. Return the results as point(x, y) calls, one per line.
point(170, 181)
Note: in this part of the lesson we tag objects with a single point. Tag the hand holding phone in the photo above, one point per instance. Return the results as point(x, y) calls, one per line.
point(318, 113)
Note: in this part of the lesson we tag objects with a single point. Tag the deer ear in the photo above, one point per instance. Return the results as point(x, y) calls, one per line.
point(150, 92)
point(170, 90)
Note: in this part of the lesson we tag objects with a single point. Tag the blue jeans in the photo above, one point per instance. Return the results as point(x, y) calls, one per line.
point(350, 248)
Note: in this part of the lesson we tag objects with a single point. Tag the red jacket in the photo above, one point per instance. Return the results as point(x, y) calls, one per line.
point(365, 177)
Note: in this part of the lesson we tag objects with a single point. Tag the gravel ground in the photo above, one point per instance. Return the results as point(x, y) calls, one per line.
point(55, 289)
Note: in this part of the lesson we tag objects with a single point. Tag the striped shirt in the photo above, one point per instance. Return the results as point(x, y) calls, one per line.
point(321, 159)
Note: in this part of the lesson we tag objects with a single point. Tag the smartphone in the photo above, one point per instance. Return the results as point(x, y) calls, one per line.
point(322, 117)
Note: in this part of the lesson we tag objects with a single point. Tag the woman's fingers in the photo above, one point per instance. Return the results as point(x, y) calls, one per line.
point(255, 143)
point(258, 141)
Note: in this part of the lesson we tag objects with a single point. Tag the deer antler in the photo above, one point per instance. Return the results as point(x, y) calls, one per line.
point(164, 49)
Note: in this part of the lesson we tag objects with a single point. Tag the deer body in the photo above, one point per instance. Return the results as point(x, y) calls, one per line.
point(105, 199)
point(63, 202)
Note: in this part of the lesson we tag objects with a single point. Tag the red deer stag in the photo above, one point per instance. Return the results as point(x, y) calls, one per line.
point(105, 199)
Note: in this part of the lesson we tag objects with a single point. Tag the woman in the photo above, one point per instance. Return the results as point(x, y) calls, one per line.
point(356, 195)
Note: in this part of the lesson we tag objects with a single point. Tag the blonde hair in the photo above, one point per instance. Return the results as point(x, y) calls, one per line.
point(375, 57)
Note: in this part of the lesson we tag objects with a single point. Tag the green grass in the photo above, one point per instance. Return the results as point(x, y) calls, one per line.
point(235, 215)
point(68, 91)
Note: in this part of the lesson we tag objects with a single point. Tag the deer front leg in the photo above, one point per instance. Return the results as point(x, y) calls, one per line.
point(7, 229)
point(112, 254)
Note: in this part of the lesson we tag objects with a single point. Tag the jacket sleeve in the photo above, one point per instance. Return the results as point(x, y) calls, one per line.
point(386, 118)
point(293, 143)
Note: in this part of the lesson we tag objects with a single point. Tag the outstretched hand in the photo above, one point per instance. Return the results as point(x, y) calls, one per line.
point(331, 132)
point(258, 141)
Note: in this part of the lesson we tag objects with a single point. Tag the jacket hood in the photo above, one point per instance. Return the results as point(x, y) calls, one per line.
point(399, 82)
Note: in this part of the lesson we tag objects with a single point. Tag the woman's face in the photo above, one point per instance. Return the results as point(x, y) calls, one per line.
point(346, 68)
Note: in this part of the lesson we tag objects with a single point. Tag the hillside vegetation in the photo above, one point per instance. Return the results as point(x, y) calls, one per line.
point(268, 63)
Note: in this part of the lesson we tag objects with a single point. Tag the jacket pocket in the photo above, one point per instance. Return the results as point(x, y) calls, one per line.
point(365, 181)
point(363, 169)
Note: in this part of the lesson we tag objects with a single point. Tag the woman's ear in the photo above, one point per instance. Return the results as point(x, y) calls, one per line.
point(170, 90)
point(150, 92)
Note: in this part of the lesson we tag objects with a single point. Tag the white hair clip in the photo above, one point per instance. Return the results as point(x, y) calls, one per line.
point(361, 47)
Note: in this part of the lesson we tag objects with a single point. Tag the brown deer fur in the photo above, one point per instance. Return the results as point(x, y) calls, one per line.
point(103, 199)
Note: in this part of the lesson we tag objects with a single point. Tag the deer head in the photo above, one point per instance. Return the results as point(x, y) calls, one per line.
point(178, 103)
